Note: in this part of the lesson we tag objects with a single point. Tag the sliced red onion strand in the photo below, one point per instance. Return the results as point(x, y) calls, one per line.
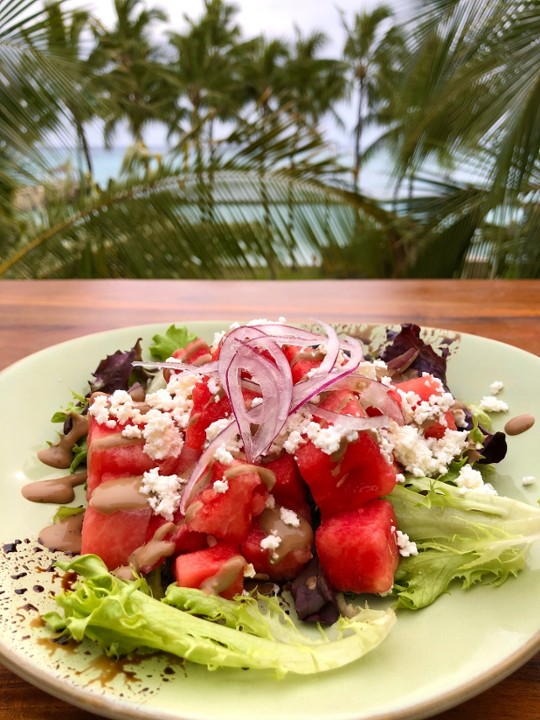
point(307, 389)
point(276, 392)
point(226, 434)
point(350, 422)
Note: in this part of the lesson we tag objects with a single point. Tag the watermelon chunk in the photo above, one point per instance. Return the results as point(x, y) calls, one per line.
point(289, 490)
point(217, 570)
point(293, 552)
point(426, 386)
point(227, 515)
point(114, 536)
point(360, 476)
point(357, 549)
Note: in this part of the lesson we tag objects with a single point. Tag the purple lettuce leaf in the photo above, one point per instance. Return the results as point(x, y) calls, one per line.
point(407, 350)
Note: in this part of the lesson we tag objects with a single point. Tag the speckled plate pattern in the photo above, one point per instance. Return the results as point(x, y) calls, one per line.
point(432, 660)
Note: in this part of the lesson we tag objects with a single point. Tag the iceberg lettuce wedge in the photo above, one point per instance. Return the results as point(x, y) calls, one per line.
point(249, 632)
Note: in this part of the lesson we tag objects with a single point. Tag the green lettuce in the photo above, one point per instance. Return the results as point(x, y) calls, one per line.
point(469, 537)
point(248, 632)
point(174, 338)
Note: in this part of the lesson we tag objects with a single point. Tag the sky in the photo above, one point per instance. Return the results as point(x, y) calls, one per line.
point(273, 18)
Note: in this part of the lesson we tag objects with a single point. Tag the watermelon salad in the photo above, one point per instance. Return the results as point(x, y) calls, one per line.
point(280, 467)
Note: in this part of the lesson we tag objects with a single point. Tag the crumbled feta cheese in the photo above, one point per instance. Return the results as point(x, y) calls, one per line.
point(289, 517)
point(249, 571)
point(496, 387)
point(213, 386)
point(329, 439)
point(400, 478)
point(489, 403)
point(132, 431)
point(99, 408)
point(223, 455)
point(406, 546)
point(221, 486)
point(528, 480)
point(214, 429)
point(418, 455)
point(471, 479)
point(271, 542)
point(270, 502)
point(163, 438)
point(164, 492)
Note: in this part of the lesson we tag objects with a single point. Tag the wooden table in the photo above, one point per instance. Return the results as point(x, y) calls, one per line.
point(36, 314)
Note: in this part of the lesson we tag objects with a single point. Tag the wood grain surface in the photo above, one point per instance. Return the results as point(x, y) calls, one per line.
point(37, 314)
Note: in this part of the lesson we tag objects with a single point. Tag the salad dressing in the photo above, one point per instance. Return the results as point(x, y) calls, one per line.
point(267, 476)
point(60, 456)
point(114, 440)
point(57, 490)
point(225, 576)
point(64, 535)
point(154, 550)
point(292, 538)
point(119, 494)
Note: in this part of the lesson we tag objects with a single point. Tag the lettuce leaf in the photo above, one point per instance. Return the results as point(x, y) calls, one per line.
point(174, 338)
point(470, 538)
point(248, 632)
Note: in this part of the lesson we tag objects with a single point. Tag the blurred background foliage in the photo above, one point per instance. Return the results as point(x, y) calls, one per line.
point(250, 187)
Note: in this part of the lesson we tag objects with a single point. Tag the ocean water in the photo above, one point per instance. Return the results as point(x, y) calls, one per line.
point(374, 179)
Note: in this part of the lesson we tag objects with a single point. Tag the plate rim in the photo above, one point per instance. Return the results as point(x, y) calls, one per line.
point(100, 703)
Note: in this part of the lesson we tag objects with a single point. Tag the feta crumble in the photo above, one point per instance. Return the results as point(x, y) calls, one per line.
point(164, 492)
point(528, 480)
point(471, 479)
point(496, 387)
point(271, 542)
point(489, 403)
point(289, 517)
point(221, 486)
point(406, 546)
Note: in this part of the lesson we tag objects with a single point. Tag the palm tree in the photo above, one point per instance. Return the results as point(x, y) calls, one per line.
point(374, 49)
point(32, 83)
point(473, 90)
point(129, 71)
point(205, 68)
point(65, 40)
point(313, 84)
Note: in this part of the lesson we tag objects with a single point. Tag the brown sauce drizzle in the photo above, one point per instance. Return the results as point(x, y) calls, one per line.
point(225, 576)
point(57, 490)
point(119, 494)
point(292, 538)
point(64, 535)
point(267, 476)
point(114, 440)
point(519, 424)
point(60, 455)
point(145, 557)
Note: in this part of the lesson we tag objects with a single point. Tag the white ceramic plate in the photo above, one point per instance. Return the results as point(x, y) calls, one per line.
point(433, 659)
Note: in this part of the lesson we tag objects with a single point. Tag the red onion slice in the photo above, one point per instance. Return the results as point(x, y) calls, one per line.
point(276, 391)
point(350, 422)
point(307, 389)
point(226, 434)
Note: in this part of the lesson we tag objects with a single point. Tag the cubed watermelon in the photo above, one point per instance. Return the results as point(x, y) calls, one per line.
point(361, 475)
point(357, 549)
point(293, 552)
point(114, 536)
point(217, 570)
point(227, 515)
